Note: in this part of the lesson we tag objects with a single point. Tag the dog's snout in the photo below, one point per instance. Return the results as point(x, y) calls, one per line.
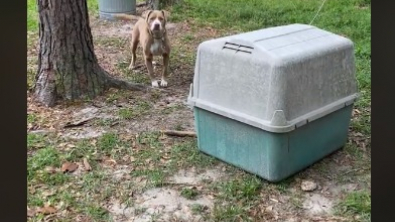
point(156, 26)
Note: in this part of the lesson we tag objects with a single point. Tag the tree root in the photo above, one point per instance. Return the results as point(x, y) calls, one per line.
point(116, 83)
point(179, 133)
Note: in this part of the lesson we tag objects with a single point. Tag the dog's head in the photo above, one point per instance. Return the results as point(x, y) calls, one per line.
point(156, 19)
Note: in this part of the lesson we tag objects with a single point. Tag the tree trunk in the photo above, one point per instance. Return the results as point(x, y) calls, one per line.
point(152, 4)
point(67, 65)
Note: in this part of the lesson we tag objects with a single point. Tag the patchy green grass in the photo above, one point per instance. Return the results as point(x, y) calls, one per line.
point(32, 118)
point(79, 194)
point(356, 204)
point(137, 76)
point(97, 213)
point(179, 127)
point(188, 38)
point(135, 107)
point(189, 193)
point(106, 122)
point(169, 109)
point(117, 95)
point(156, 162)
point(186, 154)
point(148, 159)
point(44, 157)
point(238, 189)
point(230, 212)
point(198, 208)
point(111, 42)
point(32, 13)
point(93, 6)
point(125, 113)
point(35, 141)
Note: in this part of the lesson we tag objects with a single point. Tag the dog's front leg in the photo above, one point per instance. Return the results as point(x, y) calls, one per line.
point(148, 63)
point(165, 71)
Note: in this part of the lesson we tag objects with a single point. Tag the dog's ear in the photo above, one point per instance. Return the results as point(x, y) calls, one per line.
point(166, 14)
point(146, 14)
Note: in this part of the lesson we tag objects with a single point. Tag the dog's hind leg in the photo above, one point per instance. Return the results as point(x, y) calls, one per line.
point(134, 44)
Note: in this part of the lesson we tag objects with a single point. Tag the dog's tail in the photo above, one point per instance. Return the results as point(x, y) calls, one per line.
point(126, 16)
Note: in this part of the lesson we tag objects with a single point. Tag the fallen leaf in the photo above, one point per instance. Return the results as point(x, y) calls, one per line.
point(127, 177)
point(132, 159)
point(46, 210)
point(69, 167)
point(126, 158)
point(87, 165)
point(165, 157)
point(93, 142)
point(32, 190)
point(60, 205)
point(62, 145)
point(358, 134)
point(51, 170)
point(30, 212)
point(274, 200)
point(110, 162)
point(48, 193)
point(269, 209)
point(71, 146)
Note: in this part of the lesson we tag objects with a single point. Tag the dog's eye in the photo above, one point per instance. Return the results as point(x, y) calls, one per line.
point(160, 18)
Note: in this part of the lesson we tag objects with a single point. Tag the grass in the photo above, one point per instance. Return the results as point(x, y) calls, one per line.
point(31, 118)
point(238, 196)
point(82, 194)
point(231, 213)
point(184, 155)
point(32, 15)
point(356, 203)
point(35, 141)
point(173, 108)
point(189, 193)
point(111, 42)
point(198, 208)
point(244, 188)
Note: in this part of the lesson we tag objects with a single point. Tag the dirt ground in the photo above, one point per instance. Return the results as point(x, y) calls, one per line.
point(189, 192)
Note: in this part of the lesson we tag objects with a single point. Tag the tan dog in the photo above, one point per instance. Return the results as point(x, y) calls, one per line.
point(150, 31)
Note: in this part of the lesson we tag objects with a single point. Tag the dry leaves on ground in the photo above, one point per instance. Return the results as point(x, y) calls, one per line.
point(68, 167)
point(87, 165)
point(46, 210)
point(308, 185)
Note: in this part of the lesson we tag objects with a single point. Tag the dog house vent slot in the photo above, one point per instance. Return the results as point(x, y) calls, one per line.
point(238, 47)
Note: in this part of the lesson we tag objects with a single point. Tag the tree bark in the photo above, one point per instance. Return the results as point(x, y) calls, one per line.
point(152, 4)
point(67, 65)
